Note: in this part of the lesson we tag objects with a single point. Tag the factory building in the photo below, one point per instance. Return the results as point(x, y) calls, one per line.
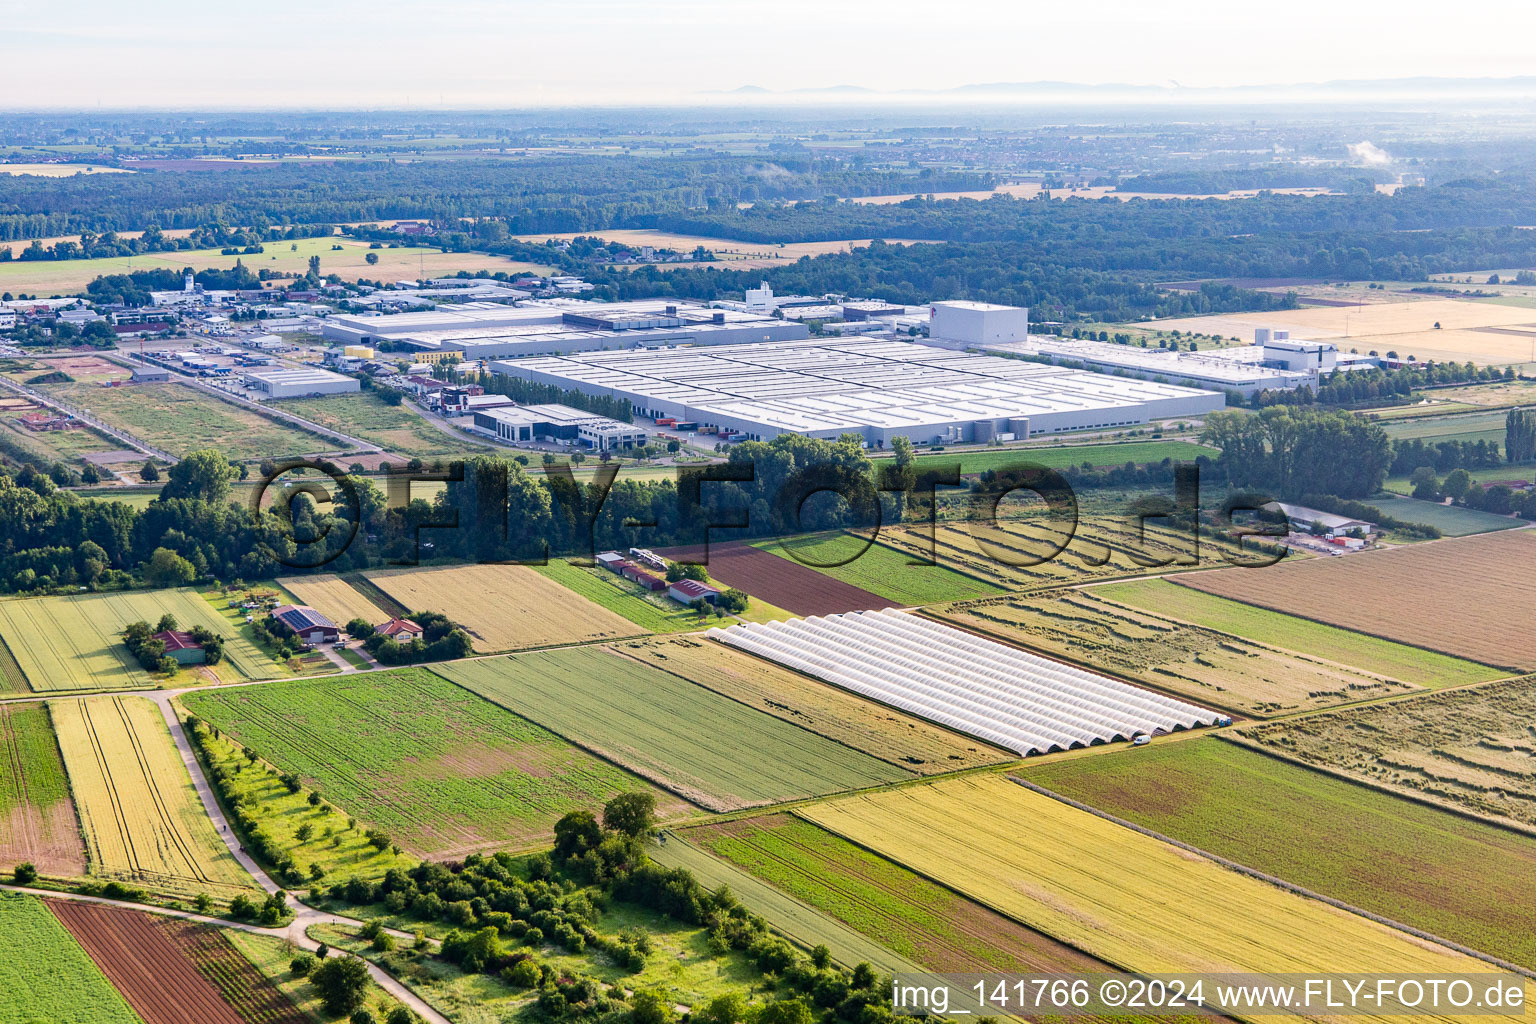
point(299, 382)
point(559, 423)
point(978, 323)
point(1234, 369)
point(479, 330)
point(874, 388)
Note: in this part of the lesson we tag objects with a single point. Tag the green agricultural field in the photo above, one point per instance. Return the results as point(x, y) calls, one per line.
point(802, 923)
point(179, 418)
point(1062, 456)
point(341, 852)
point(669, 730)
point(1448, 519)
point(1372, 654)
point(880, 570)
point(398, 429)
point(41, 825)
point(46, 976)
point(441, 770)
point(1419, 865)
point(1471, 426)
point(898, 909)
point(1524, 471)
point(75, 642)
point(652, 612)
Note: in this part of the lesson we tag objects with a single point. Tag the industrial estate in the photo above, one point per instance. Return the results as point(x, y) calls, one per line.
point(462, 568)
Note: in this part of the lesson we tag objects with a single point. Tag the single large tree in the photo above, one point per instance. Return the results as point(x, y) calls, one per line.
point(203, 475)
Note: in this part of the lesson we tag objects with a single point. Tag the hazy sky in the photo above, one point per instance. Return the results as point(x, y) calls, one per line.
point(387, 53)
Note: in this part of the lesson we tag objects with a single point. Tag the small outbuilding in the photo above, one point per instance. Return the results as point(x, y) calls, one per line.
point(181, 647)
point(307, 624)
point(689, 591)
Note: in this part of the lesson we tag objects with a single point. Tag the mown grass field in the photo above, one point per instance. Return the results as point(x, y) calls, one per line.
point(398, 429)
point(46, 976)
point(1368, 653)
point(709, 749)
point(505, 607)
point(1470, 749)
point(804, 924)
point(1428, 868)
point(878, 569)
point(342, 851)
point(1451, 520)
point(75, 642)
point(1116, 894)
point(1202, 664)
point(143, 822)
point(1469, 426)
point(1062, 456)
point(179, 418)
point(909, 914)
point(37, 816)
point(335, 598)
point(652, 612)
point(443, 771)
point(903, 740)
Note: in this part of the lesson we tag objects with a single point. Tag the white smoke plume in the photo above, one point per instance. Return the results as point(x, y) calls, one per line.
point(1369, 154)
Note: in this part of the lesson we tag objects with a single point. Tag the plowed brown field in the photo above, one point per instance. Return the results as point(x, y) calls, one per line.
point(780, 581)
point(138, 956)
point(1471, 596)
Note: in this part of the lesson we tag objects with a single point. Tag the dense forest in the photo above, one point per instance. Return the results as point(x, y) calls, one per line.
point(569, 193)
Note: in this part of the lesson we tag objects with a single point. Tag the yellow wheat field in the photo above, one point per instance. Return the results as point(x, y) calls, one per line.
point(1125, 897)
point(142, 820)
point(336, 599)
point(505, 607)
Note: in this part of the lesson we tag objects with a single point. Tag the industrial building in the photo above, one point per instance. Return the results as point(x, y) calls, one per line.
point(299, 382)
point(558, 423)
point(484, 330)
point(874, 388)
point(1221, 370)
point(977, 323)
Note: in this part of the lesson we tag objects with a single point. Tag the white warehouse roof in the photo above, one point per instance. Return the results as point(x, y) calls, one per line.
point(868, 386)
point(1008, 697)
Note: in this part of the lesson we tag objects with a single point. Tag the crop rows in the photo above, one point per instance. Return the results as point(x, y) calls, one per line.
point(441, 770)
point(255, 998)
point(37, 817)
point(665, 728)
point(1202, 664)
point(1125, 897)
point(142, 820)
point(1426, 867)
point(44, 974)
point(1481, 606)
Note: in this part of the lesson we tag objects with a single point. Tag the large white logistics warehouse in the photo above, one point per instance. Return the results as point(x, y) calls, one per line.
point(299, 382)
point(867, 386)
point(485, 330)
point(977, 323)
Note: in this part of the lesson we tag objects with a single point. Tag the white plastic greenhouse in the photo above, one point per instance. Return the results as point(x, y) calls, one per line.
point(1016, 700)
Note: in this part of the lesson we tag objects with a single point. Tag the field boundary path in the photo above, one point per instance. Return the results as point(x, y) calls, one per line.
point(117, 433)
point(293, 933)
point(1291, 887)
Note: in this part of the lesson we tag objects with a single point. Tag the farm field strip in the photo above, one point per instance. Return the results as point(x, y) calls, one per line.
point(46, 976)
point(1117, 894)
point(334, 598)
point(1005, 696)
point(1289, 632)
point(1428, 868)
point(254, 996)
point(1201, 664)
point(142, 820)
point(37, 817)
point(504, 607)
point(923, 921)
point(161, 984)
point(802, 923)
point(655, 614)
point(878, 569)
point(1470, 749)
point(666, 729)
point(782, 582)
point(74, 642)
point(1481, 611)
point(1451, 520)
point(895, 736)
point(444, 771)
